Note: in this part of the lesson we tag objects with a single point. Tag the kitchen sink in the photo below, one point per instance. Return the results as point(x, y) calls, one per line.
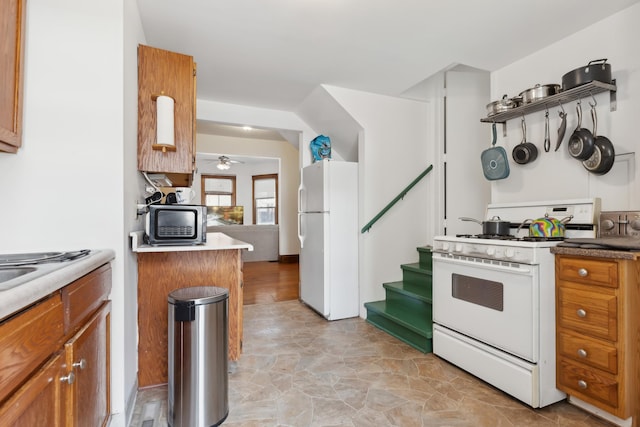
point(19, 269)
point(10, 273)
point(28, 258)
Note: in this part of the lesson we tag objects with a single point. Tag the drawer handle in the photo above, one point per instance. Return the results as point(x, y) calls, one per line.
point(81, 364)
point(70, 379)
point(583, 272)
point(581, 312)
point(582, 352)
point(582, 384)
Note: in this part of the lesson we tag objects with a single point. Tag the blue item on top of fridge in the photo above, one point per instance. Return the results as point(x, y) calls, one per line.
point(320, 147)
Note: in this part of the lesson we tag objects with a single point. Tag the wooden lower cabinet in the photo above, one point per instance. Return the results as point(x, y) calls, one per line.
point(160, 273)
point(37, 402)
point(598, 333)
point(88, 355)
point(67, 384)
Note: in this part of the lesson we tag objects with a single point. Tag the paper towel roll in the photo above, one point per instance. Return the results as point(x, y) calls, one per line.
point(165, 134)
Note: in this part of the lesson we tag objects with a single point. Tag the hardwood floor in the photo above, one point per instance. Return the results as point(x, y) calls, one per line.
point(266, 282)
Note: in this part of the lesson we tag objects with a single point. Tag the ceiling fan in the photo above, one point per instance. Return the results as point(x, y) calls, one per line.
point(225, 162)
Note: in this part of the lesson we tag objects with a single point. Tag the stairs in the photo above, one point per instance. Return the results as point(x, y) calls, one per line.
point(406, 311)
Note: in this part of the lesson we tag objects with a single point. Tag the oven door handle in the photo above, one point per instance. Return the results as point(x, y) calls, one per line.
point(524, 269)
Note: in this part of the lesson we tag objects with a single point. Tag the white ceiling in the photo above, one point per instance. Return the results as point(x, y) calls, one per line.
point(273, 53)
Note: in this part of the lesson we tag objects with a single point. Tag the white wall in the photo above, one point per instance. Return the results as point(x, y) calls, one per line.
point(64, 189)
point(557, 175)
point(393, 150)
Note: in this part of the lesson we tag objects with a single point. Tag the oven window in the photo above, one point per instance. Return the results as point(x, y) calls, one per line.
point(478, 291)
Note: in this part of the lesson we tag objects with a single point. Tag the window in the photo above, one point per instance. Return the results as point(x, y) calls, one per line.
point(265, 199)
point(218, 190)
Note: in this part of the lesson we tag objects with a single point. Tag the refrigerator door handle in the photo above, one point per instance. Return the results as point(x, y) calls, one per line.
point(300, 190)
point(300, 236)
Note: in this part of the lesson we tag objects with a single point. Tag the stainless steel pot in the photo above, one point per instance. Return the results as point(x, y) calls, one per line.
point(539, 92)
point(502, 105)
point(493, 226)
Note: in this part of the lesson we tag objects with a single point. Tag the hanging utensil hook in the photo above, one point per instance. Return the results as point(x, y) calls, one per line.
point(594, 101)
point(562, 107)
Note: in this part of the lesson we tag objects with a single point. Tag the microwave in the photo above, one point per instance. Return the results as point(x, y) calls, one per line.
point(176, 225)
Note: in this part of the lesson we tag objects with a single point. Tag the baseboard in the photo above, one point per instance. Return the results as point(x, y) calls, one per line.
point(288, 259)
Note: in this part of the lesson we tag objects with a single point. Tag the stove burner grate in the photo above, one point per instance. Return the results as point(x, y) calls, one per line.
point(511, 237)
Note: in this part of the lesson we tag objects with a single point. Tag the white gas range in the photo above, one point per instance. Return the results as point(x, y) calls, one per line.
point(494, 299)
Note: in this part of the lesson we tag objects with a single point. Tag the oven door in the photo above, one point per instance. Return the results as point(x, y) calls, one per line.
point(494, 302)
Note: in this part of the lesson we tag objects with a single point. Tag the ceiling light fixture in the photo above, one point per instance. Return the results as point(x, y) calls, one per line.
point(223, 163)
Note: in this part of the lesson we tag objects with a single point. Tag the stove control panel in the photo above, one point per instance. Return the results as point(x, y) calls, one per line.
point(620, 224)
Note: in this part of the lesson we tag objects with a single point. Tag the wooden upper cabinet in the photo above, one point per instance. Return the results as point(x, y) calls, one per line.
point(161, 72)
point(12, 29)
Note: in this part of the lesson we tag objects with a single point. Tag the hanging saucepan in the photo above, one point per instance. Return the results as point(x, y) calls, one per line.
point(597, 69)
point(601, 161)
point(538, 92)
point(493, 226)
point(525, 152)
point(581, 141)
point(502, 105)
point(546, 227)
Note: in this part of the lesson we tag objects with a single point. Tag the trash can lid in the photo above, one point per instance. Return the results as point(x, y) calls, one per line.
point(198, 295)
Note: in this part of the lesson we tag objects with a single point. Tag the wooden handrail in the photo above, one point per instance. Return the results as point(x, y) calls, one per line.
point(396, 200)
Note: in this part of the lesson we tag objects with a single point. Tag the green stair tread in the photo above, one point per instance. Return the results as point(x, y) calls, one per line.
point(416, 268)
point(419, 322)
point(413, 290)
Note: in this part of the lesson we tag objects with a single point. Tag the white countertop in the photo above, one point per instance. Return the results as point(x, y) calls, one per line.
point(215, 242)
point(58, 275)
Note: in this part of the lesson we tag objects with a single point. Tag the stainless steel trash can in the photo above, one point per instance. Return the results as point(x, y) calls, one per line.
point(198, 357)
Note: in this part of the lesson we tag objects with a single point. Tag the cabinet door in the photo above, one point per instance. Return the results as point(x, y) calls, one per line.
point(37, 402)
point(12, 19)
point(87, 353)
point(161, 72)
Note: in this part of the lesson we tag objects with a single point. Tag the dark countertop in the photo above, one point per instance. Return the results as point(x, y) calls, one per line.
point(600, 253)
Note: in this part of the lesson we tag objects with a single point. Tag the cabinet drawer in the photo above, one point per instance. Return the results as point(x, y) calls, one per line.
point(581, 381)
point(601, 273)
point(27, 340)
point(588, 351)
point(591, 313)
point(84, 296)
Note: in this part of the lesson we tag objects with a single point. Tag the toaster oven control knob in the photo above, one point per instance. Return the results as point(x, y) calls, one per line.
point(607, 224)
point(509, 253)
point(491, 251)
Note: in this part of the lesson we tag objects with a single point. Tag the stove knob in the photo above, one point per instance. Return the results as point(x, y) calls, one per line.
point(458, 247)
point(445, 246)
point(509, 253)
point(491, 251)
point(607, 224)
point(635, 224)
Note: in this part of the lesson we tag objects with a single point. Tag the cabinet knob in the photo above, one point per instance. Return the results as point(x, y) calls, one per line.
point(582, 384)
point(582, 352)
point(582, 272)
point(581, 312)
point(70, 379)
point(81, 364)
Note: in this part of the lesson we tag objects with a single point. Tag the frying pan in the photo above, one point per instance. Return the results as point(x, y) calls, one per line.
point(494, 160)
point(525, 152)
point(581, 141)
point(601, 161)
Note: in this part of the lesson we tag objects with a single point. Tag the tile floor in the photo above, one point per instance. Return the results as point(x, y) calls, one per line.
point(297, 369)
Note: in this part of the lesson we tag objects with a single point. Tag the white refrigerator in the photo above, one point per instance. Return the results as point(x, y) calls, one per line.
point(328, 233)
